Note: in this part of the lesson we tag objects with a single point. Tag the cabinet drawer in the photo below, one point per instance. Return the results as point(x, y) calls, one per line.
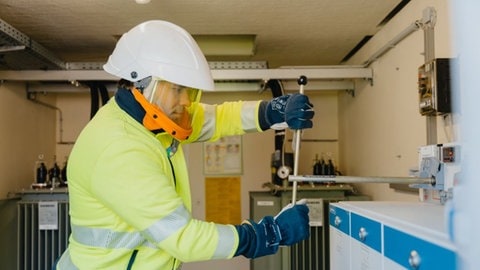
point(340, 219)
point(412, 252)
point(367, 231)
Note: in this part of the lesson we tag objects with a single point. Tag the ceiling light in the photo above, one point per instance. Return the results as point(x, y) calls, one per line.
point(142, 1)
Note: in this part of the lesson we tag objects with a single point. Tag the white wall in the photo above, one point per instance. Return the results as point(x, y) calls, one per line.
point(27, 130)
point(76, 114)
point(464, 218)
point(381, 127)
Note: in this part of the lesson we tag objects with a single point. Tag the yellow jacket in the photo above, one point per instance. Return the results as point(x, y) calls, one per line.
point(130, 208)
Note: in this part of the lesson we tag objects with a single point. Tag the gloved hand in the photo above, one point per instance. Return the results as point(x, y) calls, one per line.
point(258, 239)
point(287, 228)
point(294, 111)
point(293, 222)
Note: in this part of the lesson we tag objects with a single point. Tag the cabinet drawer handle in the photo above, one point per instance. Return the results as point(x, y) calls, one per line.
point(414, 259)
point(337, 221)
point(362, 234)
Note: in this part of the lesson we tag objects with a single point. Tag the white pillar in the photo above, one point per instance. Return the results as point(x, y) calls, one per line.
point(466, 201)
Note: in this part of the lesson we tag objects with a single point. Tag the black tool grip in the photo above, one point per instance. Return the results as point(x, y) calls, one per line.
point(302, 80)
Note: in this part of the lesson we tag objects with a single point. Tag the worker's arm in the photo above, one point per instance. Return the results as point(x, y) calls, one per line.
point(211, 122)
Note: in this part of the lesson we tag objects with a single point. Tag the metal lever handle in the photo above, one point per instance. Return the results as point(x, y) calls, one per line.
point(362, 234)
point(337, 221)
point(302, 81)
point(414, 259)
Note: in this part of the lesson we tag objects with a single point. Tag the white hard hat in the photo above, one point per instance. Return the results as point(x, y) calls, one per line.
point(160, 49)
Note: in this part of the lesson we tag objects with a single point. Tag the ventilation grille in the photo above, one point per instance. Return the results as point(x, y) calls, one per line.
point(39, 249)
point(308, 255)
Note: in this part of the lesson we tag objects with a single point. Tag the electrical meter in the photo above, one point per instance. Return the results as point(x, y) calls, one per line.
point(434, 87)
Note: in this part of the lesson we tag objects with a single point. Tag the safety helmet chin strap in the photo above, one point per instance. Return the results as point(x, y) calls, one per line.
point(156, 119)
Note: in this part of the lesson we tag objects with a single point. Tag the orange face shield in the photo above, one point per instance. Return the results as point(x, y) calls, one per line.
point(166, 105)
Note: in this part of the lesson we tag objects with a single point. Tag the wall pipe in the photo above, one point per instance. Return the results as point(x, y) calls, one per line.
point(427, 22)
point(32, 96)
point(393, 42)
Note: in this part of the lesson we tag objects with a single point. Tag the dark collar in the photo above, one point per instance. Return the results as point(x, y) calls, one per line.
point(126, 101)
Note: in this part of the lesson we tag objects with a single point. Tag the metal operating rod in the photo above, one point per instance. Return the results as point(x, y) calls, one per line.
point(360, 179)
point(302, 81)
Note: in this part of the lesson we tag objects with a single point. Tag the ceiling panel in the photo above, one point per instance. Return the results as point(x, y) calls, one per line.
point(288, 33)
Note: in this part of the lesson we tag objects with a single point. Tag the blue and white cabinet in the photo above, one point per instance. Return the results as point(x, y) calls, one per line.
point(390, 236)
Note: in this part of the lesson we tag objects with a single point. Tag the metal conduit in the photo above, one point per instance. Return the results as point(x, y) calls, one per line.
point(391, 44)
point(360, 179)
point(427, 21)
point(32, 96)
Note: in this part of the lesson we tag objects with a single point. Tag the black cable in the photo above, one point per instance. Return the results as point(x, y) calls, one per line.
point(93, 99)
point(103, 93)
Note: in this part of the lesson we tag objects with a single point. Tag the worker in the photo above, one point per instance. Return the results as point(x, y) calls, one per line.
point(130, 204)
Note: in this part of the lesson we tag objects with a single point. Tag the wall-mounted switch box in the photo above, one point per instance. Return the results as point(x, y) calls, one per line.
point(434, 87)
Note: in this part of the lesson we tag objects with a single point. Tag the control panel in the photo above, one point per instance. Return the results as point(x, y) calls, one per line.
point(434, 87)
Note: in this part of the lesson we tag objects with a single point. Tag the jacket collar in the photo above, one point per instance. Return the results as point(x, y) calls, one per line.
point(127, 102)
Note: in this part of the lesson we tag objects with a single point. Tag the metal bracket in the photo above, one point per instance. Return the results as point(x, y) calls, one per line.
point(351, 92)
point(31, 95)
point(11, 48)
point(370, 80)
point(429, 18)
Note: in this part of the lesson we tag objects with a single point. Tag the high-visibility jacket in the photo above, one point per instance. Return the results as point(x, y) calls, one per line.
point(130, 204)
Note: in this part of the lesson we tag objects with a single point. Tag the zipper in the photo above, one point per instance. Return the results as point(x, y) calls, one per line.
point(132, 259)
point(180, 266)
point(173, 172)
point(170, 152)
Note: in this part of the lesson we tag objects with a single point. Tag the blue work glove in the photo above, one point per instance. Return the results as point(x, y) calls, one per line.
point(294, 111)
point(258, 239)
point(290, 226)
point(293, 222)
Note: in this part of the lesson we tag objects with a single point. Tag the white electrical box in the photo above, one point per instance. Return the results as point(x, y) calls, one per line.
point(390, 236)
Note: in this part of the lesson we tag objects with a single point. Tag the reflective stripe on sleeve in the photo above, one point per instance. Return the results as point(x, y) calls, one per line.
point(226, 241)
point(208, 126)
point(168, 225)
point(107, 238)
point(65, 262)
point(250, 116)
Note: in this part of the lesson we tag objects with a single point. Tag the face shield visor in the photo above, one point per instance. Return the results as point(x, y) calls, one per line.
point(174, 100)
